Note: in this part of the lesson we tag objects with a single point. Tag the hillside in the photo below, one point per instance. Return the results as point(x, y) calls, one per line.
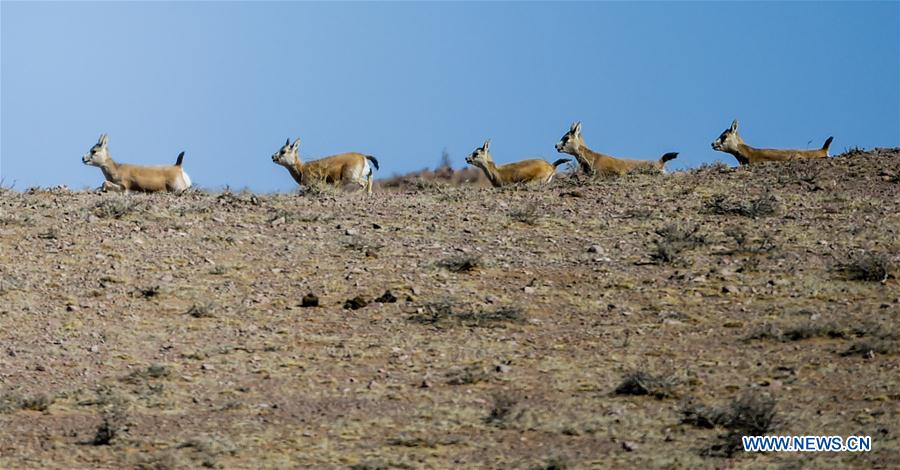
point(644, 321)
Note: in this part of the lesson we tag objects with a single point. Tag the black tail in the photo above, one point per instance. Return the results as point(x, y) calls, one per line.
point(827, 143)
point(668, 156)
point(560, 162)
point(180, 159)
point(372, 159)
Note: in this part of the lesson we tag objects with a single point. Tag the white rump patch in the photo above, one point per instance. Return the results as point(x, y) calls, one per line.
point(361, 177)
point(185, 181)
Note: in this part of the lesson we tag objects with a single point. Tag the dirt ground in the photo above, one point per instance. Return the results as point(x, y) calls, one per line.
point(643, 321)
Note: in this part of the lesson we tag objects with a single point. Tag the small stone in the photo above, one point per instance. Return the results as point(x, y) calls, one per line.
point(386, 298)
point(309, 300)
point(729, 289)
point(95, 348)
point(503, 368)
point(207, 367)
point(376, 226)
point(595, 249)
point(529, 290)
point(629, 446)
point(71, 308)
point(356, 303)
point(351, 231)
point(425, 384)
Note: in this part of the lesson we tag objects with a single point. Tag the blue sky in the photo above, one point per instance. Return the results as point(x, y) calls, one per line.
point(228, 82)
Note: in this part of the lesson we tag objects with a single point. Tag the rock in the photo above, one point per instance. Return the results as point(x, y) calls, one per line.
point(351, 231)
point(730, 289)
point(503, 368)
point(629, 446)
point(356, 303)
point(376, 226)
point(309, 300)
point(386, 298)
point(595, 249)
point(528, 290)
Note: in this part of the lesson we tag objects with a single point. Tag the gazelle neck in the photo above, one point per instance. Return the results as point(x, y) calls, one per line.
point(493, 175)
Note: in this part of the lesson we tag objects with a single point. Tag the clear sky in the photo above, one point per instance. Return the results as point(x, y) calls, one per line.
point(229, 82)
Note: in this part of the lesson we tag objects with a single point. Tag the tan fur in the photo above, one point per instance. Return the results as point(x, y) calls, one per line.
point(124, 177)
point(731, 142)
point(596, 163)
point(337, 170)
point(524, 171)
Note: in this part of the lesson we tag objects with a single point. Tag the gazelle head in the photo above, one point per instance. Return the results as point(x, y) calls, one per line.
point(481, 156)
point(572, 141)
point(289, 154)
point(729, 140)
point(98, 155)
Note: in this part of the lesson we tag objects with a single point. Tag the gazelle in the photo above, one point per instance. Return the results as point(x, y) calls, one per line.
point(596, 163)
point(337, 169)
point(123, 177)
point(731, 142)
point(524, 171)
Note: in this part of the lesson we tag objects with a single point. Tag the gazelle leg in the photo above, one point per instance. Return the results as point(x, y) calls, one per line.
point(110, 186)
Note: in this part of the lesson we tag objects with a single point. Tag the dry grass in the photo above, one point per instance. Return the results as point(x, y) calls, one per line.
point(644, 383)
point(872, 267)
point(763, 206)
point(506, 356)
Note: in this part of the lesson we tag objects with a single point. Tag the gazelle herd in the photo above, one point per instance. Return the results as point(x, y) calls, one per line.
point(353, 168)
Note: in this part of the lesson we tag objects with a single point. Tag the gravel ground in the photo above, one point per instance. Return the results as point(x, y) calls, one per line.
point(640, 321)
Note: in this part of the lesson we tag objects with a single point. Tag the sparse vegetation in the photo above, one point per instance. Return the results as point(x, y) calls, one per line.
point(140, 376)
point(751, 414)
point(112, 425)
point(644, 383)
point(115, 207)
point(763, 206)
point(867, 266)
point(461, 263)
point(675, 239)
point(467, 375)
point(12, 402)
point(511, 365)
point(502, 409)
point(528, 215)
point(202, 310)
point(744, 243)
point(886, 344)
point(442, 314)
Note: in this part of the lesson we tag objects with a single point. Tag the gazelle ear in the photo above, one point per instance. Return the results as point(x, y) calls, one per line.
point(103, 140)
point(287, 141)
point(296, 144)
point(734, 125)
point(577, 127)
point(487, 145)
